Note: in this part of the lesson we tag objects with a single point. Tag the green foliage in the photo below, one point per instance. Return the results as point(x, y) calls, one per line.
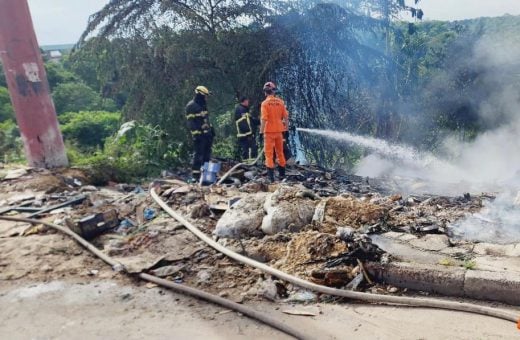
point(3, 81)
point(470, 265)
point(225, 144)
point(57, 74)
point(136, 152)
point(89, 129)
point(10, 142)
point(75, 97)
point(6, 109)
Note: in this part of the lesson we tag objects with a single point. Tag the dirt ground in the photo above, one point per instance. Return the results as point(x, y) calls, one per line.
point(107, 309)
point(50, 288)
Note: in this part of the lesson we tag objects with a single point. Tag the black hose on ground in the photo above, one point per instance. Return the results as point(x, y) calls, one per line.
point(265, 319)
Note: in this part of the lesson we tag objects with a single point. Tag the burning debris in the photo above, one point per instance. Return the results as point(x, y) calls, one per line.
point(498, 221)
point(318, 229)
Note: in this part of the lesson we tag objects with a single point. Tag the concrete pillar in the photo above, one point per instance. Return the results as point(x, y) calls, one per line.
point(28, 87)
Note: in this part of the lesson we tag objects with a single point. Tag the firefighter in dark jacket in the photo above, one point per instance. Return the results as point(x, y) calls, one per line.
point(201, 130)
point(245, 125)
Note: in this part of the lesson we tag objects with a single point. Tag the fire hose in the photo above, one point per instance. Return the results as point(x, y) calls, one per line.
point(367, 297)
point(227, 174)
point(268, 320)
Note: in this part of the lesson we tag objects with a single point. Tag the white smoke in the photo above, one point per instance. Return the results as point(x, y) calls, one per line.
point(490, 163)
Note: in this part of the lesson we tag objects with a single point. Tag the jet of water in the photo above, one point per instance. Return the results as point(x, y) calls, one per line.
point(408, 155)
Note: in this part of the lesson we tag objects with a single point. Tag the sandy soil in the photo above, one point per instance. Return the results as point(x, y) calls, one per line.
point(114, 310)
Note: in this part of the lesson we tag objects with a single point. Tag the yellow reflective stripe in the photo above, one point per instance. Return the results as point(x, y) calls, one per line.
point(246, 118)
point(196, 115)
point(199, 132)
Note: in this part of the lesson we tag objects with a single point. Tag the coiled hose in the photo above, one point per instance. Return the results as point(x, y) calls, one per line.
point(268, 320)
point(372, 298)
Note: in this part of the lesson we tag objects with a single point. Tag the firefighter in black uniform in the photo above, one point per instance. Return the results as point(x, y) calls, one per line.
point(201, 130)
point(245, 125)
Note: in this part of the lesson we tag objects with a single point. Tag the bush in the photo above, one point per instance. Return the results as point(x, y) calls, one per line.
point(225, 144)
point(10, 142)
point(6, 110)
point(57, 74)
point(74, 97)
point(89, 129)
point(133, 154)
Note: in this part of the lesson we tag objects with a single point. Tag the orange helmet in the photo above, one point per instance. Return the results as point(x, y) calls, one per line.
point(269, 86)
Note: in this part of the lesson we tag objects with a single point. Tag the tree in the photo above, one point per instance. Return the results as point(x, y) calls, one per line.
point(74, 97)
point(89, 129)
point(141, 16)
point(3, 80)
point(6, 109)
point(57, 74)
point(234, 47)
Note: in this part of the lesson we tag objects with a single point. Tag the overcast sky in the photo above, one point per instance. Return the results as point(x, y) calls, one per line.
point(63, 21)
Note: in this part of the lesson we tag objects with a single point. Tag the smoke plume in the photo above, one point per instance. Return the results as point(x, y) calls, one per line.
point(490, 163)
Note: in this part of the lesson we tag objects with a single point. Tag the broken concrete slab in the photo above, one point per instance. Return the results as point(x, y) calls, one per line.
point(497, 249)
point(404, 252)
point(287, 210)
point(243, 219)
point(431, 242)
point(497, 264)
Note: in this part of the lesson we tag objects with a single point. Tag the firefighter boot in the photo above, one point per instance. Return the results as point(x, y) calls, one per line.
point(270, 174)
point(281, 172)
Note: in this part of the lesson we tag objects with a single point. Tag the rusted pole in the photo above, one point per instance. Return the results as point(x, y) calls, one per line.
point(28, 87)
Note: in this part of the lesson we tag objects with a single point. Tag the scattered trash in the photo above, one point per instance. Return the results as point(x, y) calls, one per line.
point(269, 290)
point(309, 311)
point(15, 174)
point(303, 296)
point(18, 199)
point(125, 226)
point(182, 190)
point(200, 210)
point(149, 214)
point(138, 190)
point(167, 270)
point(354, 284)
point(88, 188)
point(203, 277)
point(151, 285)
point(94, 225)
point(315, 227)
point(209, 173)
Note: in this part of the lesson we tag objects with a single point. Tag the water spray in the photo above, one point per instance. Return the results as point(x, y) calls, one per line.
point(405, 154)
point(497, 222)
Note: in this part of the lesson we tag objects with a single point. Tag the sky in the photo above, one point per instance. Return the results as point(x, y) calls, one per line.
point(63, 21)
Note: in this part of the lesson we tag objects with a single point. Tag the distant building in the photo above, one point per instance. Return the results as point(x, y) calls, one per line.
point(55, 55)
point(55, 52)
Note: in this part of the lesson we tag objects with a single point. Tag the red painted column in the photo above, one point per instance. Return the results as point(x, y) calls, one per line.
point(28, 86)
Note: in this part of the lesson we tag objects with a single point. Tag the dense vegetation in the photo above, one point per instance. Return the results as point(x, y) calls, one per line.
point(345, 65)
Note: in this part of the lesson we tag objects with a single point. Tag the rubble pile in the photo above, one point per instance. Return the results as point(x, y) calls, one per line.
point(314, 225)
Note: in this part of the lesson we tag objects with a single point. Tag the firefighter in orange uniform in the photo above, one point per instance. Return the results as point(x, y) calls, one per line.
point(275, 121)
